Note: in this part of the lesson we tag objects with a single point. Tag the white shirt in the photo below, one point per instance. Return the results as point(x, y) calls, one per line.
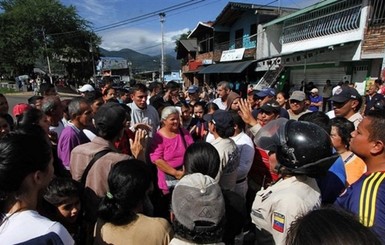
point(57, 129)
point(275, 208)
point(246, 154)
point(177, 241)
point(26, 225)
point(229, 157)
point(220, 104)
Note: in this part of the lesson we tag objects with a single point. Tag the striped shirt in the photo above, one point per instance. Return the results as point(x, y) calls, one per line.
point(366, 199)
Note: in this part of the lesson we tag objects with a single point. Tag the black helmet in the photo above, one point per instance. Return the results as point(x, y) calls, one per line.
point(302, 148)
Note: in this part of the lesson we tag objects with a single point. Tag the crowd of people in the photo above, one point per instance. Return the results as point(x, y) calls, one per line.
point(158, 165)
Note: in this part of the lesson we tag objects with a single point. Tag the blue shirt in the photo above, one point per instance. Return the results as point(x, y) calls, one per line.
point(366, 199)
point(314, 99)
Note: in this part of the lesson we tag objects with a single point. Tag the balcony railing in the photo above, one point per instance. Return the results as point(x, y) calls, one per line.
point(341, 17)
point(377, 13)
point(244, 42)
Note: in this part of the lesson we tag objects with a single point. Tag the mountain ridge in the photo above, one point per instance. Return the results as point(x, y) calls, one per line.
point(142, 62)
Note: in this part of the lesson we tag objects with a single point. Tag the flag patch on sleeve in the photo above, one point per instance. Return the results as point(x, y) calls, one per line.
point(278, 222)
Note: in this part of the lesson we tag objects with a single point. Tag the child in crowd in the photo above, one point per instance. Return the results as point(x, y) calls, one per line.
point(62, 201)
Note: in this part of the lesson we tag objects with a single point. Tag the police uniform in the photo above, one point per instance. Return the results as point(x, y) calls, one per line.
point(276, 207)
point(366, 199)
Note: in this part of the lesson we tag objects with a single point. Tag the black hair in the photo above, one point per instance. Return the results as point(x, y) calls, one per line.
point(200, 103)
point(344, 129)
point(329, 226)
point(112, 100)
point(201, 235)
point(22, 152)
point(92, 96)
point(30, 117)
point(317, 117)
point(139, 87)
point(106, 89)
point(32, 100)
point(61, 189)
point(5, 117)
point(202, 157)
point(46, 88)
point(106, 129)
point(128, 111)
point(211, 106)
point(128, 182)
point(377, 123)
point(154, 85)
point(172, 85)
point(238, 120)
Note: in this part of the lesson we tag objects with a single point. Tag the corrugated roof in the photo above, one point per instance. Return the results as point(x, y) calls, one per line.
point(190, 44)
point(233, 11)
point(199, 26)
point(185, 46)
point(302, 11)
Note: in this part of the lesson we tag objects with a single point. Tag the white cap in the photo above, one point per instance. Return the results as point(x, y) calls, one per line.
point(86, 88)
point(314, 90)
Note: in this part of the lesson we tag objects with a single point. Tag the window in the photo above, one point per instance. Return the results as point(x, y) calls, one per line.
point(239, 38)
point(253, 29)
point(377, 13)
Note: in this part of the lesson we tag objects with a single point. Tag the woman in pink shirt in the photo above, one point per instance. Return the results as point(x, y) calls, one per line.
point(167, 149)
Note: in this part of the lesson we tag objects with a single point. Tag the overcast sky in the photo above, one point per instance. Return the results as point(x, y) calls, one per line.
point(141, 30)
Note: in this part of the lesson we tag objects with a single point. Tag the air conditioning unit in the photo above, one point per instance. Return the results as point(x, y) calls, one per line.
point(347, 78)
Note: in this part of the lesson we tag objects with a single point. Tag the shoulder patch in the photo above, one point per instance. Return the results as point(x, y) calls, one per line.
point(278, 222)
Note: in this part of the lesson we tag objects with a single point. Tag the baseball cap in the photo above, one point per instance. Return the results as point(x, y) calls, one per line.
point(86, 88)
point(192, 89)
point(110, 117)
point(20, 108)
point(314, 90)
point(220, 118)
point(298, 95)
point(344, 94)
point(271, 106)
point(265, 92)
point(198, 197)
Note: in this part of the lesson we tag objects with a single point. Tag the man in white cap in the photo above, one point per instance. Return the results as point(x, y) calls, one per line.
point(86, 88)
point(316, 100)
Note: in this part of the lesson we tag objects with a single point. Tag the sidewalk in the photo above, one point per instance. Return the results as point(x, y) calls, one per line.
point(62, 91)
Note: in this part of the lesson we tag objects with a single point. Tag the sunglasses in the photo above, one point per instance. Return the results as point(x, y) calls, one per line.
point(339, 104)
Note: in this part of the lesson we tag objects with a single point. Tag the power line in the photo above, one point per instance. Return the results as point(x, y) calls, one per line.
point(149, 15)
point(138, 18)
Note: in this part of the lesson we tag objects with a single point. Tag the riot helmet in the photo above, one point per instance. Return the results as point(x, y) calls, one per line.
point(302, 148)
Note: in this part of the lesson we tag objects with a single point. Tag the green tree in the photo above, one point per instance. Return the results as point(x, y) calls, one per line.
point(34, 29)
point(183, 36)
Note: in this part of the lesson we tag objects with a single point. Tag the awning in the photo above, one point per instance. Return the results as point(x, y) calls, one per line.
point(191, 71)
point(233, 67)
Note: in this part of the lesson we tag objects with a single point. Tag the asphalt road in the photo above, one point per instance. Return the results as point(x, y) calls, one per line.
point(16, 98)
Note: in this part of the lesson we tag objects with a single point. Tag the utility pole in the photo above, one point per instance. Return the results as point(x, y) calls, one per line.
point(92, 57)
point(162, 19)
point(47, 56)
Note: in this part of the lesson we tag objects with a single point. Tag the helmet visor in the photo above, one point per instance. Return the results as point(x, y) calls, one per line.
point(270, 136)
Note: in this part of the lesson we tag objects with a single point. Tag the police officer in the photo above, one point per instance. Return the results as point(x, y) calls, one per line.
point(299, 151)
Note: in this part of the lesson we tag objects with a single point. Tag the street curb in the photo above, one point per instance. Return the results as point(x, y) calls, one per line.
point(32, 94)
